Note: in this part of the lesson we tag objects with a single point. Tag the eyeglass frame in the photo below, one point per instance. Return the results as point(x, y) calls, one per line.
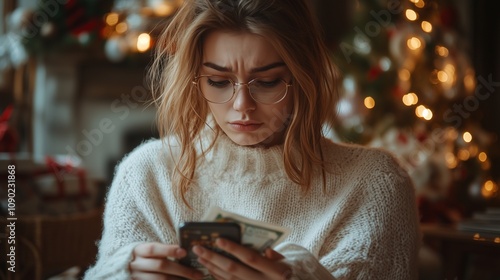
point(195, 82)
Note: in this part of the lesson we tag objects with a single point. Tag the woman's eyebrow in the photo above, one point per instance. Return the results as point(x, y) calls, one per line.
point(216, 67)
point(267, 67)
point(254, 70)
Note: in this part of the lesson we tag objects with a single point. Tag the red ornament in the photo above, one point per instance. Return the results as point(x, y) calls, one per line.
point(78, 21)
point(448, 16)
point(8, 135)
point(421, 136)
point(374, 73)
point(402, 138)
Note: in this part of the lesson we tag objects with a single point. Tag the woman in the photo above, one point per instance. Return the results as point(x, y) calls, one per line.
point(244, 89)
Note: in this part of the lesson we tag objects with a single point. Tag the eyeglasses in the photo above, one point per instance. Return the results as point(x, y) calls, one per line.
point(220, 89)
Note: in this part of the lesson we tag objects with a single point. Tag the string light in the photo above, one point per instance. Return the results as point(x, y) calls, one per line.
point(470, 80)
point(442, 51)
point(411, 15)
point(164, 9)
point(410, 99)
point(467, 137)
point(112, 19)
point(424, 113)
point(426, 26)
point(482, 156)
point(406, 100)
point(420, 4)
point(404, 74)
point(449, 68)
point(385, 63)
point(427, 114)
point(463, 155)
point(451, 160)
point(419, 111)
point(414, 43)
point(121, 27)
point(369, 102)
point(489, 189)
point(143, 42)
point(442, 76)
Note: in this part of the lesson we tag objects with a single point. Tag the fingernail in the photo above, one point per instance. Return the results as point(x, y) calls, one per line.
point(202, 261)
point(198, 250)
point(221, 242)
point(180, 252)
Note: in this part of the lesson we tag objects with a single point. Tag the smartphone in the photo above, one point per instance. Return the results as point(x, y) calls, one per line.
point(205, 234)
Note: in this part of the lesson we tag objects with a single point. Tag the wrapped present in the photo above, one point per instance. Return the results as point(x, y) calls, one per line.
point(58, 215)
point(64, 187)
point(24, 168)
point(58, 186)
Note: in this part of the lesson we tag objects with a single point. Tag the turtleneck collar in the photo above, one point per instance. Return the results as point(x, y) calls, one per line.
point(229, 157)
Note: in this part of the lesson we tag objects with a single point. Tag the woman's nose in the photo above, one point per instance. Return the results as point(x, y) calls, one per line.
point(243, 101)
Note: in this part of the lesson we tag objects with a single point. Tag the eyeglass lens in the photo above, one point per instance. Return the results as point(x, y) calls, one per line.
point(220, 89)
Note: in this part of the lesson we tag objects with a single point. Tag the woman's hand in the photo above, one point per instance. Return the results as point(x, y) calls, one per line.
point(253, 265)
point(156, 261)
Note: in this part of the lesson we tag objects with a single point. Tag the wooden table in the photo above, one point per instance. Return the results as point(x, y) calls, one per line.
point(465, 255)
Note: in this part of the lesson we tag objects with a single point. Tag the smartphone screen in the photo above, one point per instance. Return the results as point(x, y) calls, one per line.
point(205, 234)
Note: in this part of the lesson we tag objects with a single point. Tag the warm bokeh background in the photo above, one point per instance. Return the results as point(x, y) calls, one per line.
point(420, 78)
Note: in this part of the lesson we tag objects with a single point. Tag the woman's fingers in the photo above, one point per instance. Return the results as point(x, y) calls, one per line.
point(216, 271)
point(164, 266)
point(254, 260)
point(152, 276)
point(159, 250)
point(222, 267)
point(252, 265)
point(156, 259)
point(273, 255)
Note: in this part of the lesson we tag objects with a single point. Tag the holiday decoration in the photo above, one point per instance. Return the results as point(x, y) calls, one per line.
point(409, 87)
point(57, 25)
point(119, 28)
point(9, 139)
point(12, 52)
point(131, 26)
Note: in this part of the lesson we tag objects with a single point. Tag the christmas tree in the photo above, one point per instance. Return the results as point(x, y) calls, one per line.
point(409, 86)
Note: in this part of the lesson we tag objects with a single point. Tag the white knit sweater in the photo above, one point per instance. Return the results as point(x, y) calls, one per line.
point(363, 226)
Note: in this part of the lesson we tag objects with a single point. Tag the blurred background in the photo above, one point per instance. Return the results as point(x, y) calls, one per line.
point(420, 78)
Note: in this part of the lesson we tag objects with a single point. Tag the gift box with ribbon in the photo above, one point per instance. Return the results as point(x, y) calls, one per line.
point(56, 186)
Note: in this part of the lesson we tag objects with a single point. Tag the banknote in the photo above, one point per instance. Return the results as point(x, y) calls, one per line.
point(255, 234)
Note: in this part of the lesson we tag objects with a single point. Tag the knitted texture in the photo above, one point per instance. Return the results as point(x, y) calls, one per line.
point(362, 225)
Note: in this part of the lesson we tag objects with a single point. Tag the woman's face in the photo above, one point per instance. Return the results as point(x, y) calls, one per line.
point(243, 57)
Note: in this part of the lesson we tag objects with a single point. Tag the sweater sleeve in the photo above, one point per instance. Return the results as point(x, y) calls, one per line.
point(128, 221)
point(304, 264)
point(379, 234)
point(375, 237)
point(120, 236)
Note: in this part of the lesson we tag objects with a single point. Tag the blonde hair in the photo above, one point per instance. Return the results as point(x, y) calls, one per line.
point(290, 27)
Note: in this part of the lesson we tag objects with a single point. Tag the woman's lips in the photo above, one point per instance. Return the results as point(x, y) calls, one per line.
point(245, 126)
